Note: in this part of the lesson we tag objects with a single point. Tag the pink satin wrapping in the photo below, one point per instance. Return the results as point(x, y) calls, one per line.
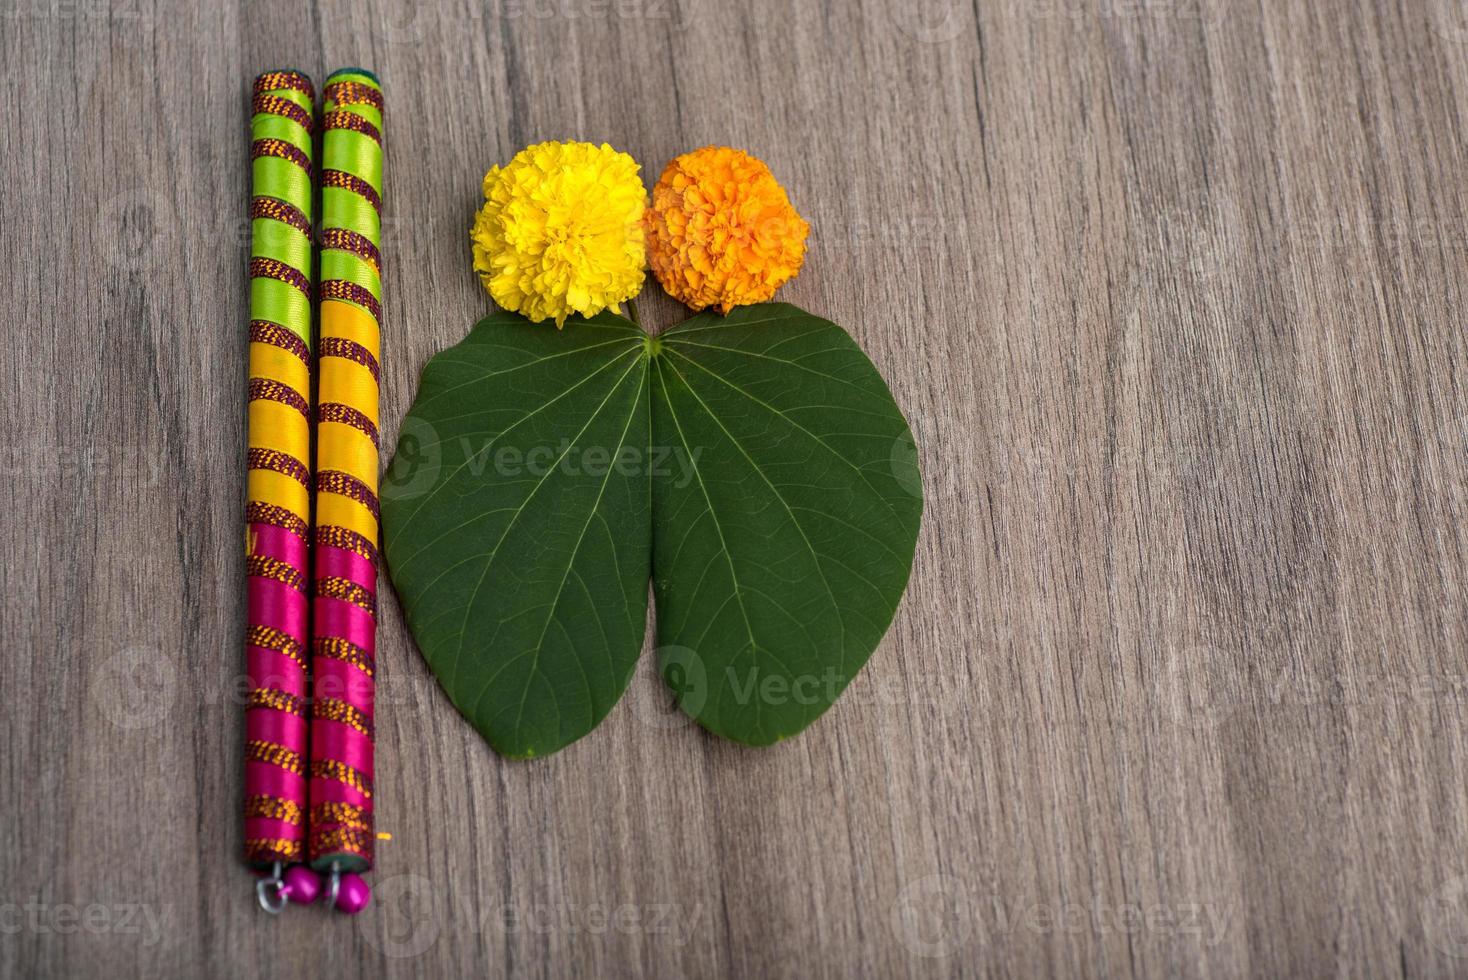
point(271, 780)
point(267, 668)
point(270, 829)
point(277, 542)
point(278, 605)
point(327, 790)
point(275, 733)
point(280, 727)
point(335, 679)
point(339, 618)
point(338, 680)
point(346, 564)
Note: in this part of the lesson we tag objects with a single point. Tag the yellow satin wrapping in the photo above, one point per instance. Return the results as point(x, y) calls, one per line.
point(271, 487)
point(348, 320)
point(340, 446)
point(336, 510)
point(269, 361)
point(283, 429)
point(349, 383)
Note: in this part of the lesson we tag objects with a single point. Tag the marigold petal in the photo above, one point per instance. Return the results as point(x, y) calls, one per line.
point(721, 231)
point(561, 231)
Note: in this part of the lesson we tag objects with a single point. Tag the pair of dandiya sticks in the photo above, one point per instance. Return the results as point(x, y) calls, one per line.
point(310, 641)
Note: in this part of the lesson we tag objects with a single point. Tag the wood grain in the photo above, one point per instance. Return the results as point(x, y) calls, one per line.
point(1174, 294)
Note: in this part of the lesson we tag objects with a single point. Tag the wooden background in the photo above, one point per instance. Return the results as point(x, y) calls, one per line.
point(1173, 292)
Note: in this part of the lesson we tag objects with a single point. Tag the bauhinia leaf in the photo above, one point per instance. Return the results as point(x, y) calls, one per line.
point(759, 463)
point(783, 533)
point(516, 520)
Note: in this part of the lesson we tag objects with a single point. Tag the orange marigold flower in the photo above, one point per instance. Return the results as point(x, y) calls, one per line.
point(721, 231)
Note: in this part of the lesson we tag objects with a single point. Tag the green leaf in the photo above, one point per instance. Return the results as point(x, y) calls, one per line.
point(784, 521)
point(516, 521)
point(756, 465)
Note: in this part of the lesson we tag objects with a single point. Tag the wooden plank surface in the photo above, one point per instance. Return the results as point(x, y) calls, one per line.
point(1174, 294)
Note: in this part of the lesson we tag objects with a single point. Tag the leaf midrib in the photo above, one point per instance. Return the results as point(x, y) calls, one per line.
point(408, 522)
point(576, 550)
point(554, 468)
point(861, 475)
point(708, 502)
point(815, 557)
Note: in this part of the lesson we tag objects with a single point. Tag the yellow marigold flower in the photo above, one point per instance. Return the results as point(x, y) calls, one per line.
point(721, 231)
point(561, 231)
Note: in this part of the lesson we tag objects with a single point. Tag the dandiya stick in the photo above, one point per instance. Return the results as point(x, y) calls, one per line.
point(278, 501)
point(345, 576)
